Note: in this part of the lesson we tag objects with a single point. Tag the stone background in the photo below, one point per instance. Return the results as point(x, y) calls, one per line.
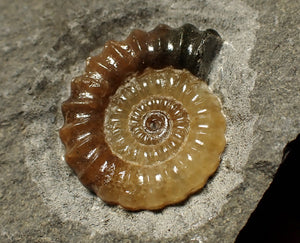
point(44, 44)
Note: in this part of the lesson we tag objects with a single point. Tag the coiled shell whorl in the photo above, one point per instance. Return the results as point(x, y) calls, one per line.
point(142, 129)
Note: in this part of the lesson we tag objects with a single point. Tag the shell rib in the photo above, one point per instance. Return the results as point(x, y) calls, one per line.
point(141, 130)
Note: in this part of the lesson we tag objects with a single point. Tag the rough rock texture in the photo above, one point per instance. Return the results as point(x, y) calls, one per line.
point(43, 45)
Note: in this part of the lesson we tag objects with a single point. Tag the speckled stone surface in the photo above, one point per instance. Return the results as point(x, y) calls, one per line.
point(44, 44)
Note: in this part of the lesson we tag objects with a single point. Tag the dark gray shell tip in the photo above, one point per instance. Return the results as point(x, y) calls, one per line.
point(199, 49)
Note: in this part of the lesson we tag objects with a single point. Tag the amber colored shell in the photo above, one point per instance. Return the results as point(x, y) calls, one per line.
point(141, 130)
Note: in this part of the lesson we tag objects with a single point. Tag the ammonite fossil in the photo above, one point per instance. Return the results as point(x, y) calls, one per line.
point(142, 129)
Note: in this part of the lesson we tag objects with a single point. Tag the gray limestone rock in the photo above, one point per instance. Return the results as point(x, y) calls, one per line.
point(43, 45)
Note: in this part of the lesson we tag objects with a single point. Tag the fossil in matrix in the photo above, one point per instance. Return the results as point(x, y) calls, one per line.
point(142, 130)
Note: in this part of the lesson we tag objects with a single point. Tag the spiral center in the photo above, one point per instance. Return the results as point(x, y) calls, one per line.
point(150, 126)
point(156, 123)
point(146, 122)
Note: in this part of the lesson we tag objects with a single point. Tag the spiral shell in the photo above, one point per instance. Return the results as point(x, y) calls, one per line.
point(141, 130)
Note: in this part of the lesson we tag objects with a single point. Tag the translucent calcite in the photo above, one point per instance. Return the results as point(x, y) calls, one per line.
point(140, 137)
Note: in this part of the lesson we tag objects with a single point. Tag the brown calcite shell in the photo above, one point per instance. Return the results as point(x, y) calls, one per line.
point(141, 130)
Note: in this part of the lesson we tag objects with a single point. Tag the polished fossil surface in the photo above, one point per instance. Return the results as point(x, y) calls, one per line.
point(139, 132)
